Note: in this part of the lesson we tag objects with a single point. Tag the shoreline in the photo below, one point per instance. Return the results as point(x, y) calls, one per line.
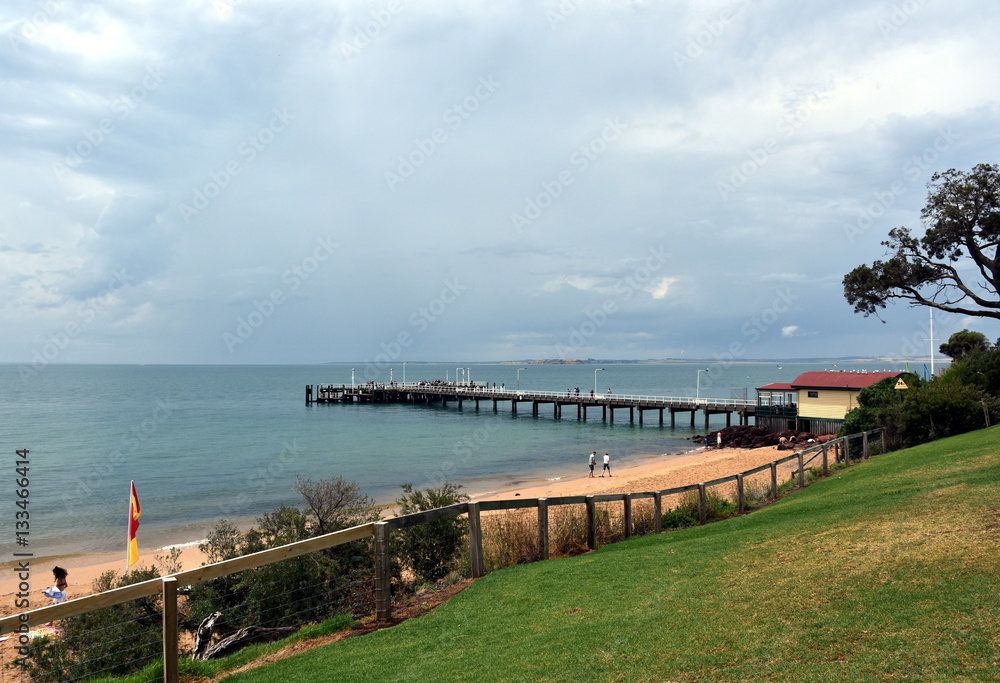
point(650, 473)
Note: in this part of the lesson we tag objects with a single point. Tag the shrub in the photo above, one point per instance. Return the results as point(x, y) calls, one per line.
point(114, 641)
point(430, 549)
point(298, 590)
point(510, 537)
point(567, 531)
point(687, 512)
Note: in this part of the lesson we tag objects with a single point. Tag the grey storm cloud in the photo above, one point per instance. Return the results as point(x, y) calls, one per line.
point(500, 173)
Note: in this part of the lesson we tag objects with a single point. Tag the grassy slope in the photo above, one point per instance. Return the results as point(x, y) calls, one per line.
point(889, 569)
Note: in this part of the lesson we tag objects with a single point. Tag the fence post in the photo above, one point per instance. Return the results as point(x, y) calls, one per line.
point(591, 523)
point(170, 673)
point(864, 445)
point(885, 446)
point(543, 528)
point(847, 451)
point(774, 481)
point(627, 503)
point(740, 499)
point(475, 542)
point(702, 512)
point(383, 595)
point(657, 512)
point(826, 462)
point(802, 467)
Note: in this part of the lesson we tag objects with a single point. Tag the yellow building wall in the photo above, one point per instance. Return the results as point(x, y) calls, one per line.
point(831, 404)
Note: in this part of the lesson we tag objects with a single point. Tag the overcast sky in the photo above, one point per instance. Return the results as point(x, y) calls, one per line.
point(298, 182)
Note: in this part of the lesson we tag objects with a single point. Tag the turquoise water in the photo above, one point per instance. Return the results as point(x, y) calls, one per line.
point(207, 442)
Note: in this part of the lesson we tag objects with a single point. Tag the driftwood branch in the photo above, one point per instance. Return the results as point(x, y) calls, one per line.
point(248, 635)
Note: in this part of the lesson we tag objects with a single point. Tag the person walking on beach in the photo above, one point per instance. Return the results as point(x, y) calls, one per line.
point(607, 465)
point(58, 592)
point(718, 440)
point(593, 462)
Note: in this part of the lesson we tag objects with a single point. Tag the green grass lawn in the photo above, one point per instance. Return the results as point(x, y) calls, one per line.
point(887, 570)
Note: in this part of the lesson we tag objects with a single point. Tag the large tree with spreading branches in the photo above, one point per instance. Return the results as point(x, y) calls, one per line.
point(954, 266)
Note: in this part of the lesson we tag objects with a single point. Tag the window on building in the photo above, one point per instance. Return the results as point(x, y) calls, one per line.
point(813, 394)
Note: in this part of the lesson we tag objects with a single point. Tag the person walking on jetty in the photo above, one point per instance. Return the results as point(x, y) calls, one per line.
point(607, 465)
point(593, 462)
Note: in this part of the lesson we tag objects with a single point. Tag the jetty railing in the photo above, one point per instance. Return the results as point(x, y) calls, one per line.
point(844, 450)
point(528, 395)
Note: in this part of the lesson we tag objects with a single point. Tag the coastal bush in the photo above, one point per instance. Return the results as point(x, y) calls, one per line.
point(430, 550)
point(755, 494)
point(687, 512)
point(113, 641)
point(567, 531)
point(298, 590)
point(510, 537)
point(643, 514)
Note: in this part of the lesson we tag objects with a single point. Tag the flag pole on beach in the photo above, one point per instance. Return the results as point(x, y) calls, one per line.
point(134, 513)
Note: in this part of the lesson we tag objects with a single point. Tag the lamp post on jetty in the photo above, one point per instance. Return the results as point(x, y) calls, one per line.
point(697, 390)
point(404, 373)
point(352, 378)
point(595, 379)
point(519, 378)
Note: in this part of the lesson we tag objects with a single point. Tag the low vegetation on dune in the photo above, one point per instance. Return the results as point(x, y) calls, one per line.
point(887, 570)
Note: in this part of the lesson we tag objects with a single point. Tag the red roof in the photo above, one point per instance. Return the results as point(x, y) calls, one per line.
point(840, 380)
point(777, 386)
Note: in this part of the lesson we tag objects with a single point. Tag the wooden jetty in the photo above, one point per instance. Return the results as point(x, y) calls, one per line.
point(427, 393)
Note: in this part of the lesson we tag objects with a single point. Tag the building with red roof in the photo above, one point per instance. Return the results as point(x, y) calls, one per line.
point(814, 401)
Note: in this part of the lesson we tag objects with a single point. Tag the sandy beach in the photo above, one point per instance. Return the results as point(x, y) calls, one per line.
point(652, 473)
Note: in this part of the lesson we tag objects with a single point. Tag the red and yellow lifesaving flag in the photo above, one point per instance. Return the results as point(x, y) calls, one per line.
point(134, 513)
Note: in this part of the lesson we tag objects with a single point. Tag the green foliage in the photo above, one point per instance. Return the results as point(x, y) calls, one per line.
point(430, 549)
point(116, 640)
point(687, 512)
point(952, 267)
point(963, 343)
point(938, 410)
point(873, 403)
point(297, 590)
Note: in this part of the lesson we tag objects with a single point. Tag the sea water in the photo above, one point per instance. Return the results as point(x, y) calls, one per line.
point(203, 443)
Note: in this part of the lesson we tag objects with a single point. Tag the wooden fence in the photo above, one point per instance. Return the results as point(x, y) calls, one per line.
point(19, 624)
